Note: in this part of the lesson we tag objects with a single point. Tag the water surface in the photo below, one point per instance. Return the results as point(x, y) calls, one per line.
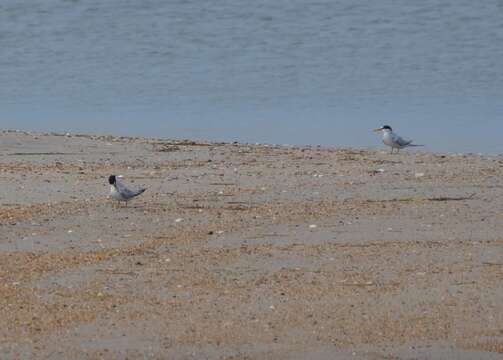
point(284, 71)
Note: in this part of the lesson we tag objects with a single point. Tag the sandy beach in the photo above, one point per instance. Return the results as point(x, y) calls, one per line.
point(240, 251)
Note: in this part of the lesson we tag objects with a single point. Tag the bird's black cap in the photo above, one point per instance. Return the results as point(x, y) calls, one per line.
point(387, 127)
point(111, 179)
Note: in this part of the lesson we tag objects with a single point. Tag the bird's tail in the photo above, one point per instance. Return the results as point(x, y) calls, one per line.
point(414, 145)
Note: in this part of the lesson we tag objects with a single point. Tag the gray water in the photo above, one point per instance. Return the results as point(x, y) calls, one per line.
point(283, 71)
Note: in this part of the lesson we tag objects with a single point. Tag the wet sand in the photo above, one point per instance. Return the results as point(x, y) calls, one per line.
point(241, 251)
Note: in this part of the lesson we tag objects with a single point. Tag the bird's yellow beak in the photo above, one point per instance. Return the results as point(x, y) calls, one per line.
point(377, 130)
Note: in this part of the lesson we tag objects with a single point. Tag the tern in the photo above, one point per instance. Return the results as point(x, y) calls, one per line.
point(393, 140)
point(120, 192)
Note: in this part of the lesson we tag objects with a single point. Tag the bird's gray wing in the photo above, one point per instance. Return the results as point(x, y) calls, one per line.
point(401, 141)
point(124, 191)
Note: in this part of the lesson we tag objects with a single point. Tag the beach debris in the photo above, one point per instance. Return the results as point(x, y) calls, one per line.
point(166, 148)
point(365, 283)
point(411, 199)
point(178, 220)
point(376, 172)
point(447, 198)
point(313, 226)
point(419, 174)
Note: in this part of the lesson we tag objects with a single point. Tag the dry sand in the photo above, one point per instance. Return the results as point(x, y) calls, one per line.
point(247, 252)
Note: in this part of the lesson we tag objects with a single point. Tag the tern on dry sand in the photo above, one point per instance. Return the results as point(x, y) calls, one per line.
point(393, 140)
point(120, 192)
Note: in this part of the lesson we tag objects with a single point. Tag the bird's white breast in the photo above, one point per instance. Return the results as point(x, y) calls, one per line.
point(387, 138)
point(115, 194)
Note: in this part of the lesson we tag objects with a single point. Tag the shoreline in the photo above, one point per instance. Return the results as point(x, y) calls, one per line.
point(154, 141)
point(379, 147)
point(247, 251)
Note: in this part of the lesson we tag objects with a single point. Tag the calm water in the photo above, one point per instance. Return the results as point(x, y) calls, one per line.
point(282, 71)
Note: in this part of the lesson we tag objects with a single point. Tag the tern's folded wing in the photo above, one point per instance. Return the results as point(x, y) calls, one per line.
point(401, 141)
point(124, 191)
